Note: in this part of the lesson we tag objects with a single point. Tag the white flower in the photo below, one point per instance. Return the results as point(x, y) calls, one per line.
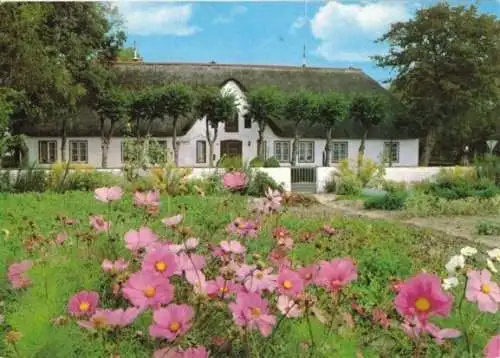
point(491, 267)
point(456, 263)
point(494, 254)
point(450, 282)
point(468, 251)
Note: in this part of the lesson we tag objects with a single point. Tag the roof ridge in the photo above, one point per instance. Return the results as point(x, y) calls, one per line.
point(267, 66)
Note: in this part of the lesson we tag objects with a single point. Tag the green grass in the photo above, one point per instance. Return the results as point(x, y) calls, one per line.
point(382, 251)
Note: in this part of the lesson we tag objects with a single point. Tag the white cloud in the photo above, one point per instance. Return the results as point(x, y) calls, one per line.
point(299, 23)
point(157, 18)
point(346, 31)
point(235, 11)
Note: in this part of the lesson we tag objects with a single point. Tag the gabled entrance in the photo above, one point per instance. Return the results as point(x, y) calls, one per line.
point(231, 148)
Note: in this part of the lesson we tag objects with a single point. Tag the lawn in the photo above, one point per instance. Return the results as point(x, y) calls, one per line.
point(382, 252)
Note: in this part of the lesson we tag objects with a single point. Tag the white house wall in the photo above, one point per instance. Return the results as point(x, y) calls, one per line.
point(408, 148)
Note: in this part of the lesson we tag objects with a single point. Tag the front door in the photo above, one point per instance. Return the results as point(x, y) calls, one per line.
point(231, 148)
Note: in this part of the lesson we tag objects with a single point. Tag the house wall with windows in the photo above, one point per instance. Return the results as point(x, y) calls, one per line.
point(235, 137)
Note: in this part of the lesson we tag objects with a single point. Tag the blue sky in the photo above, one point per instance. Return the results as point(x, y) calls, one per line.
point(336, 33)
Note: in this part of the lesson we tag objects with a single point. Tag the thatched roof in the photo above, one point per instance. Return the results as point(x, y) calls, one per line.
point(287, 78)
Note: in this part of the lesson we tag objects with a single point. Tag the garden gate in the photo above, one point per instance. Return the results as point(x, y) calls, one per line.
point(303, 179)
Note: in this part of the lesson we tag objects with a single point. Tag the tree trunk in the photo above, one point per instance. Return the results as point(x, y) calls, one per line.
point(361, 152)
point(328, 147)
point(137, 131)
point(429, 142)
point(260, 141)
point(174, 142)
point(295, 143)
point(104, 152)
point(211, 142)
point(64, 138)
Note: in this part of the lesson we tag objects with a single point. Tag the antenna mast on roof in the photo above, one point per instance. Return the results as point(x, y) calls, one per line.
point(304, 50)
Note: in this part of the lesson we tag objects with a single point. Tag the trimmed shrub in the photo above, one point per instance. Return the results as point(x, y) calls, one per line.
point(488, 227)
point(390, 201)
point(271, 162)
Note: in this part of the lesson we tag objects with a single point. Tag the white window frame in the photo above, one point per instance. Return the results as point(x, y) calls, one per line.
point(80, 144)
point(306, 151)
point(201, 146)
point(392, 149)
point(278, 150)
point(337, 147)
point(47, 150)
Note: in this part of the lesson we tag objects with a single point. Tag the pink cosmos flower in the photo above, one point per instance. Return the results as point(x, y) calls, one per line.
point(381, 317)
point(274, 198)
point(235, 180)
point(414, 328)
point(251, 311)
point(308, 273)
point(492, 349)
point(482, 290)
point(107, 195)
point(136, 240)
point(281, 232)
point(289, 283)
point(171, 322)
point(288, 307)
point(16, 274)
point(143, 290)
point(216, 250)
point(190, 262)
point(61, 237)
point(84, 303)
point(242, 227)
point(99, 224)
point(421, 297)
point(160, 262)
point(114, 266)
point(327, 229)
point(198, 280)
point(278, 257)
point(198, 352)
point(336, 274)
point(123, 317)
point(99, 320)
point(149, 198)
point(261, 280)
point(172, 221)
point(232, 247)
point(222, 288)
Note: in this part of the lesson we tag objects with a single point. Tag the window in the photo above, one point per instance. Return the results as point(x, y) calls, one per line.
point(201, 151)
point(391, 152)
point(339, 151)
point(306, 152)
point(79, 151)
point(282, 151)
point(248, 122)
point(232, 125)
point(47, 151)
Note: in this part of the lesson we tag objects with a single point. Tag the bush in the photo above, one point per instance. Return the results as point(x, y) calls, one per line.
point(461, 188)
point(390, 201)
point(331, 185)
point(488, 167)
point(89, 181)
point(259, 182)
point(271, 162)
point(32, 179)
point(230, 162)
point(256, 163)
point(488, 227)
point(392, 186)
point(421, 204)
point(349, 185)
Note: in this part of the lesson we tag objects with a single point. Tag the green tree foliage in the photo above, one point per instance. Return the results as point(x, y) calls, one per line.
point(264, 105)
point(216, 107)
point(300, 107)
point(332, 108)
point(447, 61)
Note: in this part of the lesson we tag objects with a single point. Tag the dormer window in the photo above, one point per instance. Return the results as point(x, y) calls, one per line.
point(232, 125)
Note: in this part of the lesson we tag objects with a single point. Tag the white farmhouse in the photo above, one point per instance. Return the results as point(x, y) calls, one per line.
point(238, 137)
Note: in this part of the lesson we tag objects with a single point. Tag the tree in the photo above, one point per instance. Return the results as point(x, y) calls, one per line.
point(112, 108)
point(332, 107)
point(300, 107)
point(447, 60)
point(177, 101)
point(264, 104)
point(145, 106)
point(215, 107)
point(368, 110)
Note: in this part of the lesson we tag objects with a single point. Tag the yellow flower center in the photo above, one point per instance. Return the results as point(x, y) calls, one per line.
point(259, 275)
point(485, 288)
point(422, 304)
point(84, 306)
point(255, 312)
point(174, 326)
point(149, 292)
point(224, 289)
point(160, 266)
point(287, 284)
point(100, 322)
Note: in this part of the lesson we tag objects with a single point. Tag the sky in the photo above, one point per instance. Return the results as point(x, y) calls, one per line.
point(336, 33)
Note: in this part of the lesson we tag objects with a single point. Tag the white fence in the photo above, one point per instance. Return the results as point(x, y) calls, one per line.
point(323, 174)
